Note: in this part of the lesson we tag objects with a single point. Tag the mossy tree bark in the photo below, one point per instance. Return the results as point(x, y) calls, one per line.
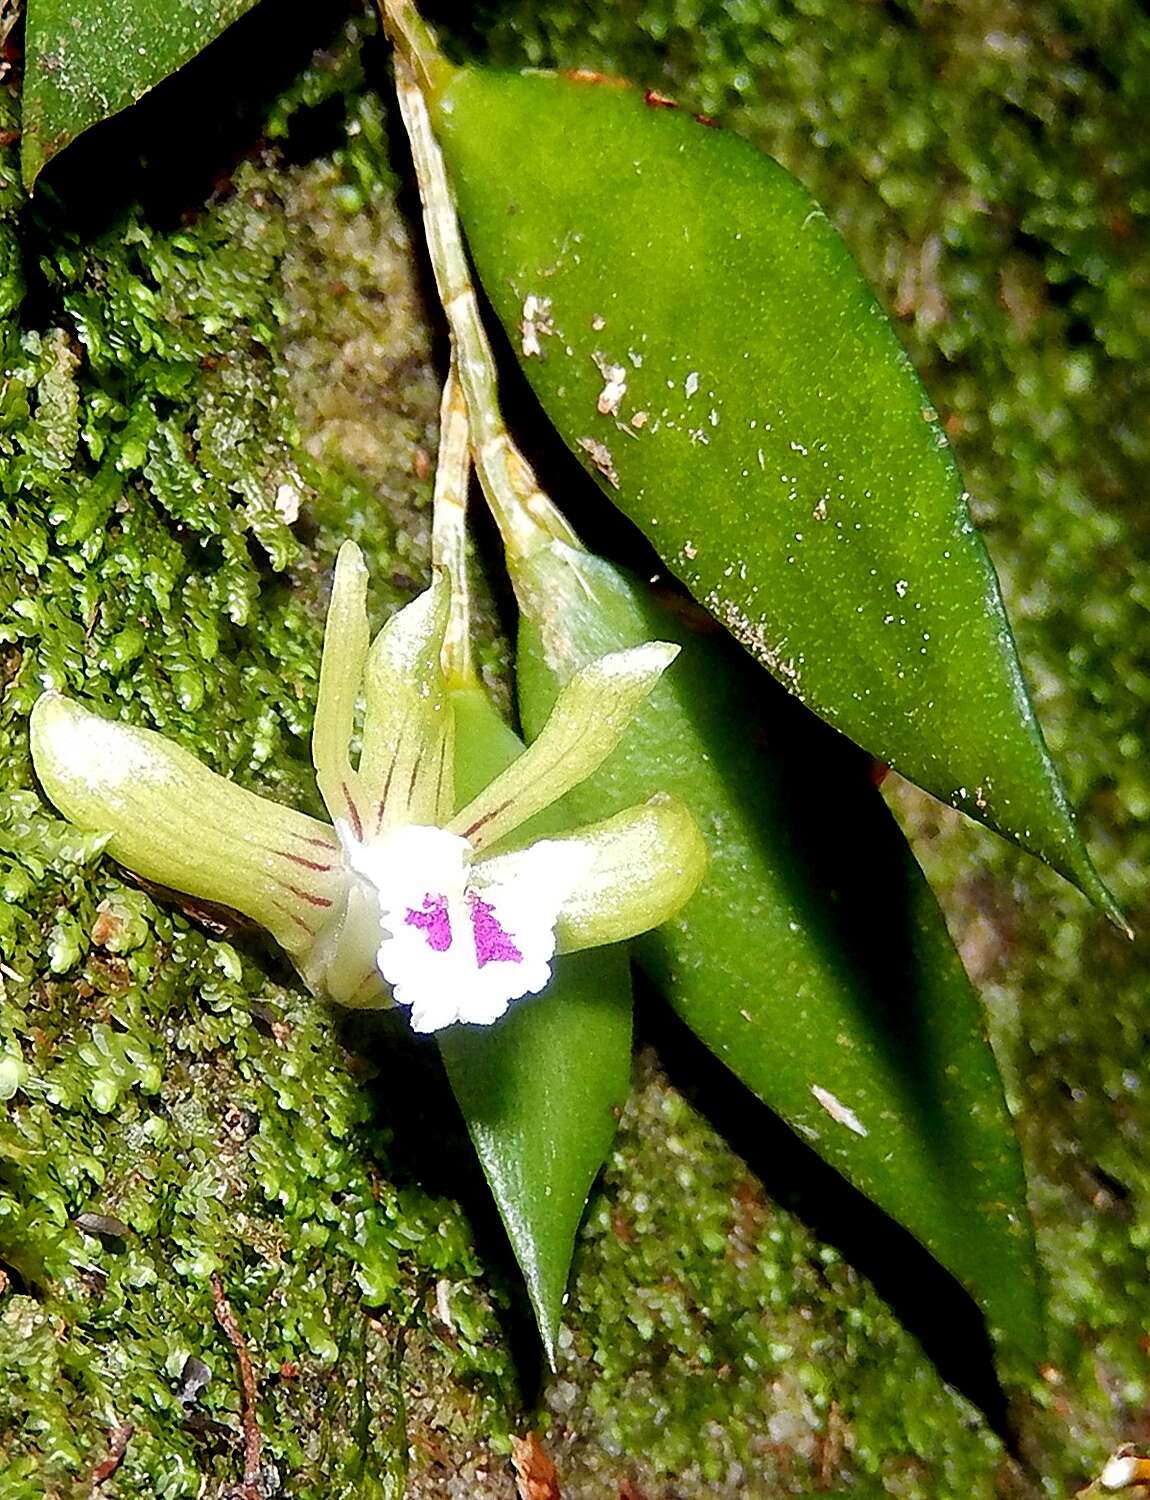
point(219, 362)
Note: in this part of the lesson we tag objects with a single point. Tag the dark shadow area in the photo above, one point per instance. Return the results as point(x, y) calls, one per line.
point(179, 145)
point(462, 29)
point(925, 1298)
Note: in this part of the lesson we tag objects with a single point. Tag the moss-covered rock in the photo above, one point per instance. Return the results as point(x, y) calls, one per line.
point(212, 379)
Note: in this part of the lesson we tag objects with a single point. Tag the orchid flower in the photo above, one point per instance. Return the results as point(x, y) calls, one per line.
point(450, 913)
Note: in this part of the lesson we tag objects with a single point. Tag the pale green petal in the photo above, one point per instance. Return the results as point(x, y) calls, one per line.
point(342, 964)
point(406, 769)
point(636, 870)
point(589, 719)
point(341, 672)
point(175, 822)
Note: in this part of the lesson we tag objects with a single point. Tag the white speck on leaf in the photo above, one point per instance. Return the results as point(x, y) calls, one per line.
point(838, 1111)
point(536, 325)
point(614, 386)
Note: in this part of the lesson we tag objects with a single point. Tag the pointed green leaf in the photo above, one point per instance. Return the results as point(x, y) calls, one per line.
point(542, 1088)
point(699, 335)
point(86, 62)
point(814, 960)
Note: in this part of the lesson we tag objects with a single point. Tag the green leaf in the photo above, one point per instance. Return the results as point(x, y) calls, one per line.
point(814, 960)
point(88, 59)
point(699, 335)
point(541, 1089)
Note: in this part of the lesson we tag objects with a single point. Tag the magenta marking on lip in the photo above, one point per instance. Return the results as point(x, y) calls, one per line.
point(492, 944)
point(434, 921)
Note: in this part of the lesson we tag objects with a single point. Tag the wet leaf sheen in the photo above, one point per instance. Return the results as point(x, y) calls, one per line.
point(814, 960)
point(699, 335)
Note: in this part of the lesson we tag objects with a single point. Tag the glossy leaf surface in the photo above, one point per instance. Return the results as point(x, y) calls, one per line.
point(88, 59)
point(541, 1089)
point(699, 335)
point(814, 960)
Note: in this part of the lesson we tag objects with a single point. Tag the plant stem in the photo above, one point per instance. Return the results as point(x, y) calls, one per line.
point(449, 526)
point(526, 517)
point(414, 39)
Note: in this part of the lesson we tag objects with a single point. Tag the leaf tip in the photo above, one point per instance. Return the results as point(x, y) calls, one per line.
point(547, 1322)
point(1079, 869)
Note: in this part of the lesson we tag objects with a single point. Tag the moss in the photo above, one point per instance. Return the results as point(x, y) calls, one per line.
point(177, 1086)
point(170, 376)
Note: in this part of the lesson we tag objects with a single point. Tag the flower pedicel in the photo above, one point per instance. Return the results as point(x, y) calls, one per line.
point(400, 897)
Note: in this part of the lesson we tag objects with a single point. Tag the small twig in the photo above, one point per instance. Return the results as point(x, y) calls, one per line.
point(117, 1446)
point(253, 1442)
point(830, 1448)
